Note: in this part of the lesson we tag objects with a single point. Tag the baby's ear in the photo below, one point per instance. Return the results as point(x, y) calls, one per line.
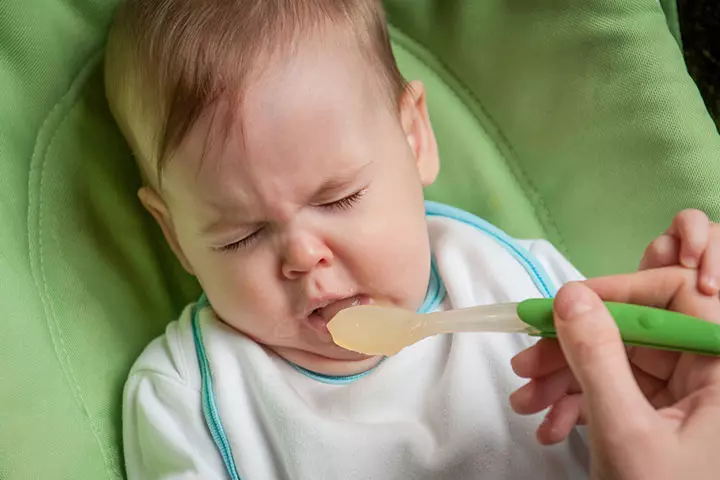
point(154, 204)
point(419, 133)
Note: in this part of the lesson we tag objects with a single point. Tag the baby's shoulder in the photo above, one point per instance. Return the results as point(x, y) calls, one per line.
point(172, 355)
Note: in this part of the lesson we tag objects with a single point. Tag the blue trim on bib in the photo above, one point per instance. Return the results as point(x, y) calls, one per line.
point(334, 379)
point(209, 406)
point(532, 265)
point(436, 290)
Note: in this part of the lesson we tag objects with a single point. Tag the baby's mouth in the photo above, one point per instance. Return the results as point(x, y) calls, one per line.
point(320, 317)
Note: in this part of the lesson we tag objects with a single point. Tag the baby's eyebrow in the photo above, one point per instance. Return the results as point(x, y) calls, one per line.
point(337, 183)
point(333, 185)
point(220, 224)
point(224, 219)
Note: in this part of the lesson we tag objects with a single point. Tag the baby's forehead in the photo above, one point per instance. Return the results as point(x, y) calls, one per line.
point(317, 72)
point(291, 106)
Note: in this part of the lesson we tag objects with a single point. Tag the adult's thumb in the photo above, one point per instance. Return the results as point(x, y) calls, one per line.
point(593, 347)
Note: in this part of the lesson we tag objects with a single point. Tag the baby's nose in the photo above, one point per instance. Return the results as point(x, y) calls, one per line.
point(302, 253)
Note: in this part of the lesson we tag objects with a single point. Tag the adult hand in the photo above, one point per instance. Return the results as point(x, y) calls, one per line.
point(651, 414)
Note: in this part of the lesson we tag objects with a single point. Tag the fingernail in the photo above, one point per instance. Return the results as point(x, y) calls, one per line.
point(689, 261)
point(549, 429)
point(576, 300)
point(513, 363)
point(520, 397)
point(578, 307)
point(711, 283)
point(546, 421)
point(515, 404)
point(549, 422)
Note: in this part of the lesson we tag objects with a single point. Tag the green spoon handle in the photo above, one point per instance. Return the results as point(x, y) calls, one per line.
point(639, 325)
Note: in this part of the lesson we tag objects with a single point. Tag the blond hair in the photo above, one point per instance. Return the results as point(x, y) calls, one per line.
point(168, 61)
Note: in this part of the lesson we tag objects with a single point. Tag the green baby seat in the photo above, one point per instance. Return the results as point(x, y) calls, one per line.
point(570, 120)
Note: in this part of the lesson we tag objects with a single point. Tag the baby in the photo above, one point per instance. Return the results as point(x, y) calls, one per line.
point(284, 158)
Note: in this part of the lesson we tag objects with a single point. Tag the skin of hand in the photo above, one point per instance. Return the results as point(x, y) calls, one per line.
point(692, 241)
point(650, 413)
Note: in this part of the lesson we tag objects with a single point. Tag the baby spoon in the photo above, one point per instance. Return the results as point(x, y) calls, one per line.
point(377, 330)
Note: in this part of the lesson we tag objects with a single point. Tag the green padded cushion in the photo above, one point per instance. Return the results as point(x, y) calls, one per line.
point(574, 121)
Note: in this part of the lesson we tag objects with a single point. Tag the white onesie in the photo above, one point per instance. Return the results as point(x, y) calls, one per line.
point(204, 401)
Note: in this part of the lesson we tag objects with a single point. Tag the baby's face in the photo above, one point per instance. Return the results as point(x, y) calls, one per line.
point(312, 204)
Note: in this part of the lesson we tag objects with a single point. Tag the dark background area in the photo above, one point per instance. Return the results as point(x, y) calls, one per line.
point(700, 26)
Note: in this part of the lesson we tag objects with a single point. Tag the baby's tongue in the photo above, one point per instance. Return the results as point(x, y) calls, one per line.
point(327, 313)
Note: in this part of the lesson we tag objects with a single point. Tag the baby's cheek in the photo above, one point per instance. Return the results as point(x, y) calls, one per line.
point(251, 312)
point(233, 289)
point(397, 265)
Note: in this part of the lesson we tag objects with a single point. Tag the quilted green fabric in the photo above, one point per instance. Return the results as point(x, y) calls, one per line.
point(574, 121)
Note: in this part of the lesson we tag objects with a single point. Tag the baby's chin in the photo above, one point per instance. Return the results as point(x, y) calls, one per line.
point(335, 362)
